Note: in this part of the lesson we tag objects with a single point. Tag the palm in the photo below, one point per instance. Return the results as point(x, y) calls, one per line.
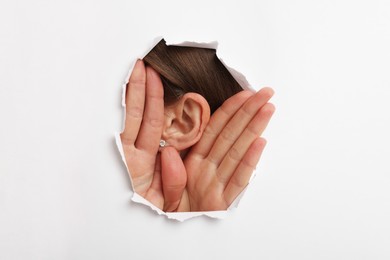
point(203, 187)
point(145, 173)
point(219, 166)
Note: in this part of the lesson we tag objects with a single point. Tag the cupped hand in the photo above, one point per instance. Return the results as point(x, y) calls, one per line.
point(219, 166)
point(142, 133)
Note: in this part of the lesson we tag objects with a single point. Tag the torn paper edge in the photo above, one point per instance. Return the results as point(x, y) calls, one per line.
point(239, 77)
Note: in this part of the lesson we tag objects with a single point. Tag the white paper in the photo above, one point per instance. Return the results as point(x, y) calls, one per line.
point(180, 216)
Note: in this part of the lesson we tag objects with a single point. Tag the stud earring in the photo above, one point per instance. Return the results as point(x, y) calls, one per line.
point(163, 143)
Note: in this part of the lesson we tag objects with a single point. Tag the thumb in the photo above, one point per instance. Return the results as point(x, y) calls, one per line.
point(173, 177)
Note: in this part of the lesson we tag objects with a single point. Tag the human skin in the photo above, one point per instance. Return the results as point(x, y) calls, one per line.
point(215, 170)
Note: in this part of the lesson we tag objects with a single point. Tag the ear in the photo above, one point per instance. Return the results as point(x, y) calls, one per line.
point(185, 121)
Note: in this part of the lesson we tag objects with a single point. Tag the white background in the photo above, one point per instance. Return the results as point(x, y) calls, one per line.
point(322, 188)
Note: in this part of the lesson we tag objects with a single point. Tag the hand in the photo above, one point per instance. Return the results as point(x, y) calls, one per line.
point(213, 183)
point(142, 133)
point(219, 166)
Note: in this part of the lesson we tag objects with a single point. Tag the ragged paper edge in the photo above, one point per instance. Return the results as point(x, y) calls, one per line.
point(180, 216)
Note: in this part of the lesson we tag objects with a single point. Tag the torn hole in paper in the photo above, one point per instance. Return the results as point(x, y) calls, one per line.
point(135, 176)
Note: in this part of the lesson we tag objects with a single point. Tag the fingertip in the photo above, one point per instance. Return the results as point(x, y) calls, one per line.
point(138, 74)
point(139, 64)
point(269, 108)
point(260, 143)
point(267, 91)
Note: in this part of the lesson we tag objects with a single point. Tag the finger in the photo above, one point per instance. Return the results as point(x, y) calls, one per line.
point(135, 99)
point(174, 178)
point(154, 189)
point(217, 121)
point(184, 205)
point(242, 174)
point(241, 146)
point(237, 124)
point(152, 122)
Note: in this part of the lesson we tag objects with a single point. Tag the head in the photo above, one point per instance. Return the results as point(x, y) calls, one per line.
point(195, 84)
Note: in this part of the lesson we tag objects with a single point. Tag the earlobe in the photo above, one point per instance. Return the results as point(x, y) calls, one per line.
point(185, 121)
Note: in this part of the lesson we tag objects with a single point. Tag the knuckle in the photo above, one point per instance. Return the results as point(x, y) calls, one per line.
point(135, 112)
point(175, 186)
point(212, 161)
point(245, 112)
point(249, 165)
point(209, 131)
point(154, 122)
point(228, 135)
point(224, 109)
point(221, 177)
point(155, 96)
point(252, 131)
point(234, 154)
point(138, 82)
point(238, 181)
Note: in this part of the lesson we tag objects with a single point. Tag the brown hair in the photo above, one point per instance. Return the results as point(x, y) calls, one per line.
point(191, 69)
